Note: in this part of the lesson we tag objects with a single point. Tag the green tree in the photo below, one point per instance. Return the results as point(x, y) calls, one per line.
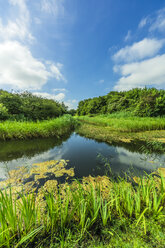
point(3, 112)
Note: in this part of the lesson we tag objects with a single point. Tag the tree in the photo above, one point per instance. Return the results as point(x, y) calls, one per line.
point(3, 112)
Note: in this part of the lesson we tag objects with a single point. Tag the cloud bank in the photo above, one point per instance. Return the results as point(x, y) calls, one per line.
point(19, 69)
point(139, 50)
point(59, 97)
point(140, 74)
point(143, 63)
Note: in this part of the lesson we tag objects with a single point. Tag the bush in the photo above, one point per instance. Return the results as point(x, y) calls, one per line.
point(140, 102)
point(3, 112)
point(26, 106)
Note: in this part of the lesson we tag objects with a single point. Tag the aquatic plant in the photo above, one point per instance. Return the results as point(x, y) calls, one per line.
point(95, 206)
point(32, 178)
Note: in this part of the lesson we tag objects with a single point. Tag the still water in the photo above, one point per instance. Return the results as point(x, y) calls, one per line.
point(87, 156)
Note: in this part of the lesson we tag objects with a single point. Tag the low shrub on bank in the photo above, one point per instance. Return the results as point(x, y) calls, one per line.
point(80, 212)
point(40, 129)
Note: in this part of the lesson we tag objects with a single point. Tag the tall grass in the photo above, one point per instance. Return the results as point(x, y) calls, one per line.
point(126, 124)
point(78, 210)
point(28, 130)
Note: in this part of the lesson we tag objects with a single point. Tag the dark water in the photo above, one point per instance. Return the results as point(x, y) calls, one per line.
point(87, 156)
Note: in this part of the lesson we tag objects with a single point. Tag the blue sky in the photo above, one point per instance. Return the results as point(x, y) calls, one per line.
point(76, 49)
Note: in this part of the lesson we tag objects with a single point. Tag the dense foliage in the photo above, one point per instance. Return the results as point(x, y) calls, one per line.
point(26, 106)
point(139, 102)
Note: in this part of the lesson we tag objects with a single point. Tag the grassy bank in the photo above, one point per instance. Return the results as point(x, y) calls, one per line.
point(10, 130)
point(126, 124)
point(124, 130)
point(87, 214)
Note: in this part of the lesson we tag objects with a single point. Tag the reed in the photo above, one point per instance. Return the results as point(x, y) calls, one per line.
point(79, 211)
point(10, 130)
point(126, 124)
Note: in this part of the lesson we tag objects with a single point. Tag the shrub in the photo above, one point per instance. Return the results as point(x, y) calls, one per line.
point(3, 112)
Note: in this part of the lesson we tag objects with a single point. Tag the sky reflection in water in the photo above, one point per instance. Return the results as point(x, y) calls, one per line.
point(85, 155)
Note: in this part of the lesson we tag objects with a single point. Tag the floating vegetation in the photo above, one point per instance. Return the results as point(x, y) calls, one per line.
point(46, 174)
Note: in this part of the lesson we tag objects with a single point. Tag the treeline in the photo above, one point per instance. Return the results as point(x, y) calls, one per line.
point(26, 106)
point(139, 102)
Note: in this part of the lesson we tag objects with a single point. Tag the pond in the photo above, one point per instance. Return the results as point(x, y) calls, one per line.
point(86, 156)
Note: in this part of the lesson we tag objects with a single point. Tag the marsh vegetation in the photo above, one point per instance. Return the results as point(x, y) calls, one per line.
point(45, 205)
point(10, 130)
point(93, 211)
point(125, 124)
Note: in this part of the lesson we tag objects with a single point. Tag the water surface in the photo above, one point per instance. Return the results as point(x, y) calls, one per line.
point(87, 156)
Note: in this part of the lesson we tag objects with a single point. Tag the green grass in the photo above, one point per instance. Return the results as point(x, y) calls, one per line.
point(149, 140)
point(82, 215)
point(125, 124)
point(128, 130)
point(10, 130)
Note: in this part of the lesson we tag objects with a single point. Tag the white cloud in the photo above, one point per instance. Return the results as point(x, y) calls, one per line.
point(59, 97)
point(154, 22)
point(139, 50)
point(143, 63)
point(55, 69)
point(62, 90)
point(128, 36)
point(20, 70)
point(143, 22)
point(55, 7)
point(144, 73)
point(159, 23)
point(14, 30)
point(19, 27)
point(22, 7)
point(72, 104)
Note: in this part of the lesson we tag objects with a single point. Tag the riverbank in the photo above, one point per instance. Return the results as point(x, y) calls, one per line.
point(103, 128)
point(96, 212)
point(10, 130)
point(125, 124)
point(123, 130)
